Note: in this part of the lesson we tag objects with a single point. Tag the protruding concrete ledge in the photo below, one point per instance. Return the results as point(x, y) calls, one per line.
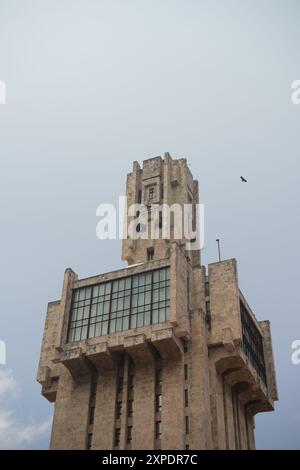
point(260, 406)
point(75, 361)
point(49, 384)
point(44, 375)
point(227, 361)
point(102, 352)
point(255, 399)
point(50, 391)
point(239, 373)
point(100, 356)
point(139, 348)
point(166, 343)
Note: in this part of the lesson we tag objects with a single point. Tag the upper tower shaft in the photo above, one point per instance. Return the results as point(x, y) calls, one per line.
point(160, 183)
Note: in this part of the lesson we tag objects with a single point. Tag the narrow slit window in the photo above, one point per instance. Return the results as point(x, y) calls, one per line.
point(150, 254)
point(158, 429)
point(129, 434)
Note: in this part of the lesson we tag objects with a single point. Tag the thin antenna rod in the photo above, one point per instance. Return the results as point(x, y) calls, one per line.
point(219, 249)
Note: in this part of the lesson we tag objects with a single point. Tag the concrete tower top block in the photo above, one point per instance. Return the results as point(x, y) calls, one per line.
point(167, 157)
point(152, 167)
point(136, 166)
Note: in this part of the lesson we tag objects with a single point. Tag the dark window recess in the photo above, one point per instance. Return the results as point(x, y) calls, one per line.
point(187, 425)
point(185, 346)
point(130, 408)
point(129, 434)
point(139, 197)
point(89, 441)
point(151, 193)
point(131, 382)
point(93, 390)
point(117, 437)
point(158, 377)
point(252, 343)
point(150, 254)
point(138, 228)
point(120, 384)
point(160, 223)
point(162, 191)
point(207, 308)
point(185, 371)
point(207, 289)
point(118, 409)
point(194, 221)
point(158, 401)
point(158, 429)
point(92, 415)
point(186, 398)
point(187, 447)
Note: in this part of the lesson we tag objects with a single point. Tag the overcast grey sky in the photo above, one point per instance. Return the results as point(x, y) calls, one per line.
point(93, 85)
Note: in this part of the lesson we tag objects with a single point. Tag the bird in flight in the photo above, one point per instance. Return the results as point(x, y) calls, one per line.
point(243, 179)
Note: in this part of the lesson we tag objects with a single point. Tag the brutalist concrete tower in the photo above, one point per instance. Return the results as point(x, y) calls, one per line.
point(163, 354)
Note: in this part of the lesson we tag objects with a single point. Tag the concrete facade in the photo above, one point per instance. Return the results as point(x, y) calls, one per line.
point(194, 381)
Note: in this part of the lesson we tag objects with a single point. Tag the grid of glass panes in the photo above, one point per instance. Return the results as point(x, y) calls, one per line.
point(252, 343)
point(141, 300)
point(100, 306)
point(78, 328)
point(119, 305)
point(161, 296)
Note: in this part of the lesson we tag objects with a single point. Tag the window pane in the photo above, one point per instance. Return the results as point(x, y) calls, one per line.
point(81, 294)
point(147, 297)
point(119, 324)
point(155, 316)
point(162, 294)
point(133, 321)
point(84, 332)
point(141, 299)
point(79, 313)
point(105, 328)
point(88, 292)
point(162, 315)
point(147, 318)
point(86, 312)
point(115, 286)
point(112, 326)
point(77, 334)
point(94, 310)
point(125, 323)
point(92, 331)
point(167, 313)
